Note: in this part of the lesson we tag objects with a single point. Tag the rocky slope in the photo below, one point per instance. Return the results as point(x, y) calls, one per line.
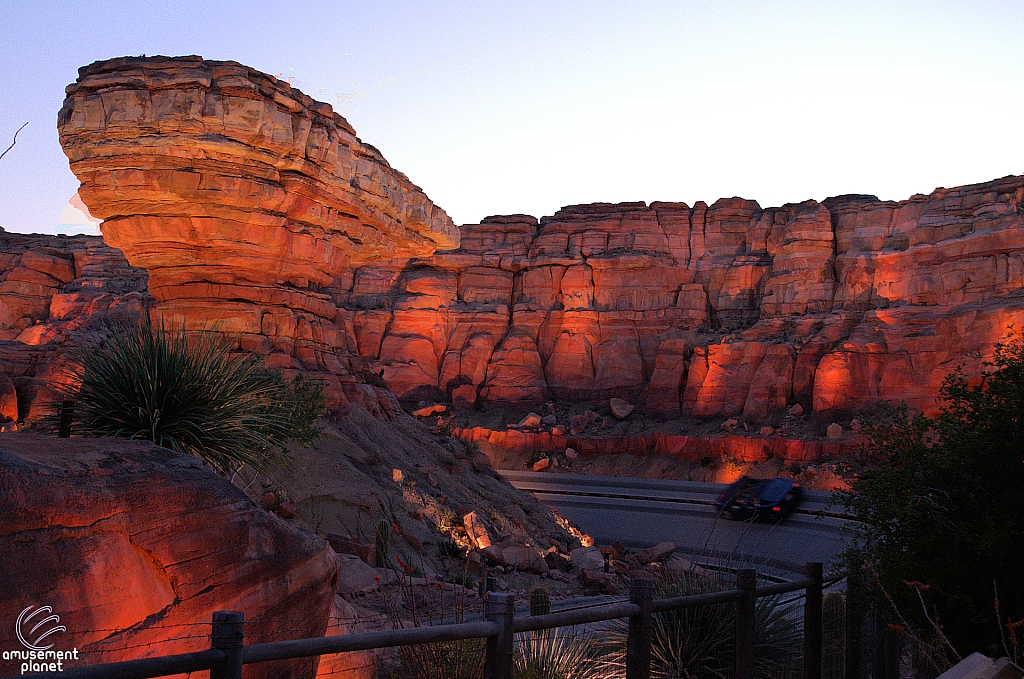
point(705, 311)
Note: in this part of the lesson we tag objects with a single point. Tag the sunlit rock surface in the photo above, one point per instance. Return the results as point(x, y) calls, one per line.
point(135, 547)
point(52, 290)
point(712, 311)
point(257, 212)
point(242, 198)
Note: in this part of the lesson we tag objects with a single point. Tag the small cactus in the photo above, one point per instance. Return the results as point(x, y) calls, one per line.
point(540, 601)
point(380, 556)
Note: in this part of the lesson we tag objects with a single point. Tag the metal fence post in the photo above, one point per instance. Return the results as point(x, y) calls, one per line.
point(746, 581)
point(812, 623)
point(638, 642)
point(854, 625)
point(228, 636)
point(501, 608)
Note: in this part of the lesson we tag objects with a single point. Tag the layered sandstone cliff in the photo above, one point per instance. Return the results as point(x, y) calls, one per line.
point(242, 198)
point(257, 212)
point(711, 311)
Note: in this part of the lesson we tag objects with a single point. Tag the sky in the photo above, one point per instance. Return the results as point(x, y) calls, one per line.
point(523, 107)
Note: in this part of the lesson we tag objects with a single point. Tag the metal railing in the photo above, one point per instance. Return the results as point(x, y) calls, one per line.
point(228, 653)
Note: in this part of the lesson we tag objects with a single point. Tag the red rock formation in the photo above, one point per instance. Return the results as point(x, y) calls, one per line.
point(242, 198)
point(51, 288)
point(256, 211)
point(135, 547)
point(710, 311)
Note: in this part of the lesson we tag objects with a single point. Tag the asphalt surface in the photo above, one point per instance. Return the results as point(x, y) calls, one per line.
point(643, 512)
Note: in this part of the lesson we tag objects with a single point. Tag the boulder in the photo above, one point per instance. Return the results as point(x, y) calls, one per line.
point(571, 454)
point(658, 552)
point(541, 464)
point(346, 619)
point(834, 432)
point(557, 561)
point(515, 555)
point(531, 421)
point(620, 409)
point(356, 576)
point(477, 529)
point(586, 558)
point(133, 545)
point(599, 582)
point(796, 410)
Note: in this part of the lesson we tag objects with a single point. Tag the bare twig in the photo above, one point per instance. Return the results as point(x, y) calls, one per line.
point(999, 618)
point(15, 140)
point(938, 628)
point(927, 653)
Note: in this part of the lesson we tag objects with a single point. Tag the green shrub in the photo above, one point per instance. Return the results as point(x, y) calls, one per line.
point(189, 394)
point(942, 530)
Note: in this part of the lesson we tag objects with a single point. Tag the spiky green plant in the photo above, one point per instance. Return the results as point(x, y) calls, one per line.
point(698, 643)
point(560, 653)
point(187, 392)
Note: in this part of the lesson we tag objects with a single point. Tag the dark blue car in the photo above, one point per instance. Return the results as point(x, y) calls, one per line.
point(760, 499)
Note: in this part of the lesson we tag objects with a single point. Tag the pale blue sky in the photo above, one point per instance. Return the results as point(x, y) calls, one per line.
point(498, 108)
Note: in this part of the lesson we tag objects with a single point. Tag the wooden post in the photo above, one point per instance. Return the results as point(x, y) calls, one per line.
point(638, 642)
point(228, 636)
point(854, 625)
point(501, 608)
point(746, 581)
point(67, 413)
point(812, 623)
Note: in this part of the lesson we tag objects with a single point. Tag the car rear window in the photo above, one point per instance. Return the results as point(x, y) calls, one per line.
point(775, 490)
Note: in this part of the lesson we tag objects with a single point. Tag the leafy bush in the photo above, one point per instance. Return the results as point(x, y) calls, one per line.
point(187, 393)
point(943, 528)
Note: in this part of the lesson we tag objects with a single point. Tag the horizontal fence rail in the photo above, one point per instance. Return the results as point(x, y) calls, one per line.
point(228, 654)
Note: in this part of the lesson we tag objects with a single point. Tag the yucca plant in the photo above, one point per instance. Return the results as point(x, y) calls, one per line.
point(559, 653)
point(187, 392)
point(699, 643)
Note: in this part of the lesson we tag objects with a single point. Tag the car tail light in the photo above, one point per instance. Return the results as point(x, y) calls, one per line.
point(776, 509)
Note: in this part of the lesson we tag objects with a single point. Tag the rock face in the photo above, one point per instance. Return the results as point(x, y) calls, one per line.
point(135, 547)
point(51, 288)
point(711, 311)
point(257, 211)
point(245, 200)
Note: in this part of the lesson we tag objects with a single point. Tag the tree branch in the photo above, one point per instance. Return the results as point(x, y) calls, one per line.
point(13, 142)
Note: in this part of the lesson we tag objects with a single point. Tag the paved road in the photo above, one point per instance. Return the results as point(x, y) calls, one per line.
point(642, 512)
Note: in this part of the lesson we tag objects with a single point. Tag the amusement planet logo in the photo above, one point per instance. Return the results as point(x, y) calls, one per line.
point(34, 627)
